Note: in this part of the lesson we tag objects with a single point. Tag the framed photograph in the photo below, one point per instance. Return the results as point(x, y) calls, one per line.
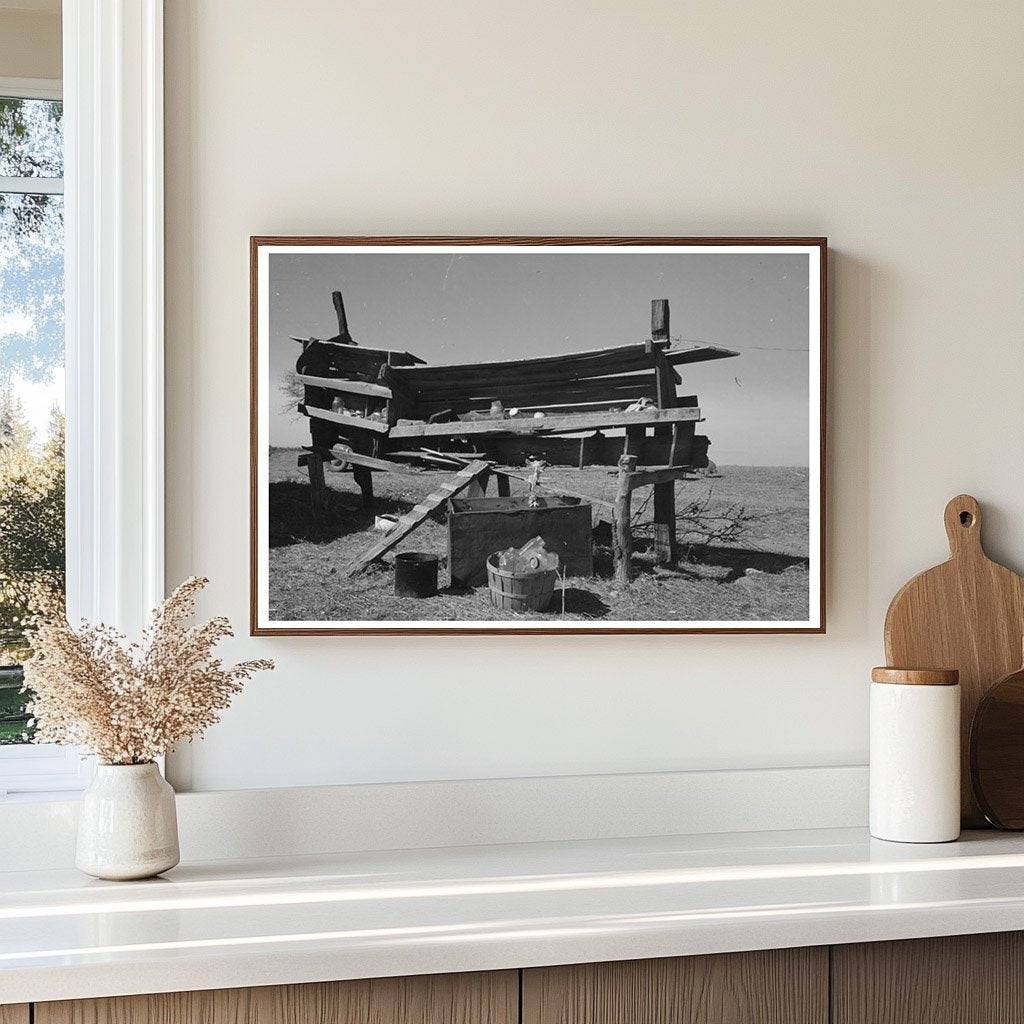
point(537, 435)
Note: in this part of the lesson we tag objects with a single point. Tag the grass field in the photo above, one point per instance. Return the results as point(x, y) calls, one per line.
point(761, 576)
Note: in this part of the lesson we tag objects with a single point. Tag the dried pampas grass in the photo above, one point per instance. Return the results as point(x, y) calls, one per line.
point(129, 703)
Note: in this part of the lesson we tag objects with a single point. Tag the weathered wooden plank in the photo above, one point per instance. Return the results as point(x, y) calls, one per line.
point(559, 450)
point(415, 516)
point(547, 425)
point(544, 369)
point(698, 354)
point(658, 475)
point(574, 408)
point(549, 405)
point(626, 387)
point(377, 426)
point(347, 387)
point(359, 459)
point(344, 356)
point(589, 356)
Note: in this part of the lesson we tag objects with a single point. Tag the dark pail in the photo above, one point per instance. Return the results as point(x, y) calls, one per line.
point(415, 574)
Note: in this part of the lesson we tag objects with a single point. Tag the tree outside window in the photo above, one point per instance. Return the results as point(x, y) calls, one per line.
point(32, 552)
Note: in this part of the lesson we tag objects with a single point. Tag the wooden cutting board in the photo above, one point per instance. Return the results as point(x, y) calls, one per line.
point(967, 614)
point(997, 752)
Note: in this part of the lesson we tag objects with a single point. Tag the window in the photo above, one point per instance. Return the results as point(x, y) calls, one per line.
point(101, 187)
point(32, 513)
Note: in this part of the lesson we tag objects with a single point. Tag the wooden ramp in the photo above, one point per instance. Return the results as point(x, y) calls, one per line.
point(415, 516)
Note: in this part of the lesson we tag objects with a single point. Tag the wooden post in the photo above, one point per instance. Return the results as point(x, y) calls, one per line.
point(317, 485)
point(339, 309)
point(664, 493)
point(634, 440)
point(673, 452)
point(364, 477)
point(659, 319)
point(664, 542)
point(623, 541)
point(666, 382)
point(665, 522)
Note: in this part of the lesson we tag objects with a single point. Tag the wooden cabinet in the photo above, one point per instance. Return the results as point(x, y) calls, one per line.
point(777, 986)
point(963, 979)
point(971, 979)
point(491, 998)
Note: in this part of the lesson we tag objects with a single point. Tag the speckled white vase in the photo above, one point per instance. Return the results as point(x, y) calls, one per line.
point(127, 824)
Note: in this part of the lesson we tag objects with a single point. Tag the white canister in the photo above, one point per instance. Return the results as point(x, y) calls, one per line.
point(915, 755)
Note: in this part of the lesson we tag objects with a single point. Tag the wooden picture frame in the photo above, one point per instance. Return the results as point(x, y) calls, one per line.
point(366, 406)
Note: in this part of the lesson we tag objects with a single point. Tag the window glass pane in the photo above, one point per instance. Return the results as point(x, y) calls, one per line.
point(31, 138)
point(31, 432)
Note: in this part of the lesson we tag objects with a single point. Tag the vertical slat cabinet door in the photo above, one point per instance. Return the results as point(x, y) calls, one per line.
point(14, 1013)
point(961, 979)
point(481, 998)
point(779, 986)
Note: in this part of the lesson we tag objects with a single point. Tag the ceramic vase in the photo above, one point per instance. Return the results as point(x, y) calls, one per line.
point(127, 825)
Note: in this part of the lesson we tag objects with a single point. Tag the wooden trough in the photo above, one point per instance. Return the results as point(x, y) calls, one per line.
point(477, 527)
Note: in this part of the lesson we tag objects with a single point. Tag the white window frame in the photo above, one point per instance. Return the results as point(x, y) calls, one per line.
point(114, 325)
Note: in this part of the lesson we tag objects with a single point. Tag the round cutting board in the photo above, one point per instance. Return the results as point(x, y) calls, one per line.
point(967, 614)
point(997, 752)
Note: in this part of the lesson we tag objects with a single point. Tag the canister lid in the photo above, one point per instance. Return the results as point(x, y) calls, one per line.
point(916, 676)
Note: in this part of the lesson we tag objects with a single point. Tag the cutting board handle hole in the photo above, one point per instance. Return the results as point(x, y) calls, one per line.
point(966, 519)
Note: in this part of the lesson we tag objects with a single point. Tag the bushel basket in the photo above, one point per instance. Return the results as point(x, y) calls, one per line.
point(520, 592)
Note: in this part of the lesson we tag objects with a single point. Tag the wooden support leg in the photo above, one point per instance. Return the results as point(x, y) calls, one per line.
point(364, 478)
point(634, 440)
point(623, 546)
point(317, 484)
point(665, 522)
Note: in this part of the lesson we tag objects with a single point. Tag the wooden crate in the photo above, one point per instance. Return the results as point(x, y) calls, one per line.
point(477, 527)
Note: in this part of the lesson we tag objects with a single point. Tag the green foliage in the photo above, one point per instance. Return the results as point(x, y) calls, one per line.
point(31, 540)
point(31, 138)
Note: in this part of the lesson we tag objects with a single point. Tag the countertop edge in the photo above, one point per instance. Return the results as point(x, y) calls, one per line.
point(555, 944)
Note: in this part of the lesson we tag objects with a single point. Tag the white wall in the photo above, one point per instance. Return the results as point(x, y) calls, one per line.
point(895, 129)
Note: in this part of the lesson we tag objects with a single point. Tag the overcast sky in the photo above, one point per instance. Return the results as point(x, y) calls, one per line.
point(466, 308)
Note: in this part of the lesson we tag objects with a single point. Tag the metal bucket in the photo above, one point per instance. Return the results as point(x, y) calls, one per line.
point(415, 574)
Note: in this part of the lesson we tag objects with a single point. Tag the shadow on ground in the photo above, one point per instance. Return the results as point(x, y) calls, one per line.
point(291, 519)
point(739, 560)
point(579, 602)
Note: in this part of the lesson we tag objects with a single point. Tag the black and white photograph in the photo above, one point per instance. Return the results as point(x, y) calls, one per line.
point(525, 435)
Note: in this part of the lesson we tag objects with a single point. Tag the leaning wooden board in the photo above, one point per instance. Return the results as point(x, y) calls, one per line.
point(967, 614)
